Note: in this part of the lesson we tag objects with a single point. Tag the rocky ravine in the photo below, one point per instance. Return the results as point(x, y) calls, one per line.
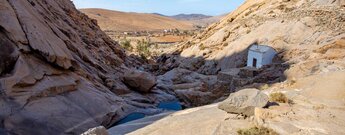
point(309, 36)
point(60, 74)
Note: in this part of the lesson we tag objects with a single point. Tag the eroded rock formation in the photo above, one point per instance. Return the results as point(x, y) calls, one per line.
point(59, 73)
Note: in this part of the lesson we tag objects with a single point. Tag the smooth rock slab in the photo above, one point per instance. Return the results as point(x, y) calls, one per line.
point(244, 102)
point(205, 120)
point(40, 36)
point(137, 124)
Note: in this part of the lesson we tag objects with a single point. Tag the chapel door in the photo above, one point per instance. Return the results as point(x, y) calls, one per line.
point(255, 61)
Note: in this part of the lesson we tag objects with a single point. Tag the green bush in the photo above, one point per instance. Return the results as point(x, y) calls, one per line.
point(256, 131)
point(126, 44)
point(202, 47)
point(144, 49)
point(264, 87)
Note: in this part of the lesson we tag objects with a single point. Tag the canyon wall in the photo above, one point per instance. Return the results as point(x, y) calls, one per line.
point(59, 73)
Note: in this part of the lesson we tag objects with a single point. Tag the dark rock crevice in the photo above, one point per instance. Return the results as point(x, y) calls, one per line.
point(8, 53)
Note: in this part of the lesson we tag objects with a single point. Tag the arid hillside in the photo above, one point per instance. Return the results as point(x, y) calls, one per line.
point(125, 21)
point(197, 19)
point(296, 29)
point(188, 17)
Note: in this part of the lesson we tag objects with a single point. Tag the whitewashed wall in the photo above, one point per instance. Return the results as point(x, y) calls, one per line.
point(251, 56)
point(262, 58)
point(268, 57)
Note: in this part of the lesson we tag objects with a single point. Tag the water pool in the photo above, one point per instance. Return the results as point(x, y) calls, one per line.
point(169, 106)
point(173, 106)
point(130, 117)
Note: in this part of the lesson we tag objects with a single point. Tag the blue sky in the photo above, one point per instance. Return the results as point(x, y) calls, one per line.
point(166, 7)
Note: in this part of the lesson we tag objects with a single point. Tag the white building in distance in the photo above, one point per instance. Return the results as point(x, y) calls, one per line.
point(260, 55)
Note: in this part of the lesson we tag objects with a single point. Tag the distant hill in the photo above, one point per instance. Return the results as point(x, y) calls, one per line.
point(189, 17)
point(159, 14)
point(128, 21)
point(208, 21)
point(196, 19)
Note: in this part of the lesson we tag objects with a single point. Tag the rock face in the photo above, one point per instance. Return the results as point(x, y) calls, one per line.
point(96, 131)
point(139, 80)
point(59, 73)
point(244, 102)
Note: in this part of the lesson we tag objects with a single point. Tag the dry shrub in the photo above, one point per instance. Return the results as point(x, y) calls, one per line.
point(278, 97)
point(264, 87)
point(256, 131)
point(202, 47)
point(226, 36)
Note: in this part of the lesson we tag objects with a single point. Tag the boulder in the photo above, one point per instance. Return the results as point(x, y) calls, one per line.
point(139, 80)
point(244, 102)
point(96, 131)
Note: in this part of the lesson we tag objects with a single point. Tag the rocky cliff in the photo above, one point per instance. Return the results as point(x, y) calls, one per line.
point(59, 73)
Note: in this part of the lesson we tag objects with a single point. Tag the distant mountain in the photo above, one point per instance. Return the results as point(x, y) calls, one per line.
point(189, 17)
point(207, 21)
point(196, 19)
point(129, 21)
point(159, 14)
